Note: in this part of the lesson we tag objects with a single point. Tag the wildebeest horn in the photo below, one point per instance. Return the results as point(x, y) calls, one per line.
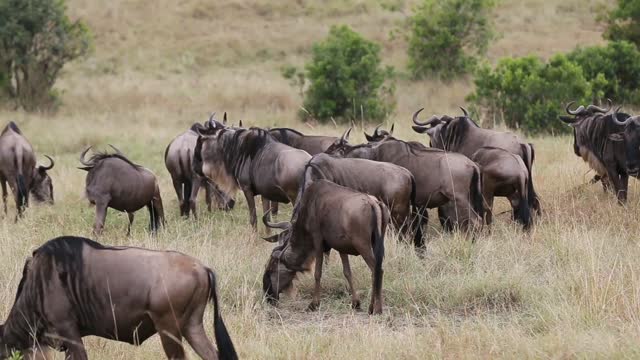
point(224, 118)
point(375, 131)
point(431, 120)
point(116, 149)
point(213, 114)
point(573, 112)
point(464, 111)
point(599, 109)
point(391, 130)
point(50, 166)
point(345, 136)
point(82, 161)
point(281, 225)
point(623, 123)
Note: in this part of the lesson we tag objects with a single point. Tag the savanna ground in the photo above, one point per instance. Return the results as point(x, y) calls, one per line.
point(569, 289)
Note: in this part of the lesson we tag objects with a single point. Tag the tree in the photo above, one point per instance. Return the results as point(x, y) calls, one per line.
point(447, 36)
point(623, 22)
point(36, 40)
point(346, 79)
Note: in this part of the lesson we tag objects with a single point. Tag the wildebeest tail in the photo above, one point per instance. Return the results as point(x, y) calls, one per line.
point(477, 201)
point(377, 240)
point(226, 350)
point(529, 154)
point(523, 210)
point(416, 218)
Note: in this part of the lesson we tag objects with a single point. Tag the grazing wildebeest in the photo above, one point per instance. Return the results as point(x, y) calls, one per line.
point(379, 134)
point(328, 216)
point(18, 168)
point(441, 177)
point(504, 174)
point(463, 135)
point(391, 184)
point(113, 181)
point(593, 132)
point(178, 157)
point(312, 144)
point(252, 160)
point(73, 287)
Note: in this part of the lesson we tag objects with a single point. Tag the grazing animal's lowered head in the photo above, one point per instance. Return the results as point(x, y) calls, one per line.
point(338, 146)
point(41, 185)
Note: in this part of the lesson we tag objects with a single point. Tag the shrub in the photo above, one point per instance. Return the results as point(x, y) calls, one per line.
point(346, 79)
point(446, 36)
point(623, 22)
point(527, 94)
point(618, 63)
point(36, 40)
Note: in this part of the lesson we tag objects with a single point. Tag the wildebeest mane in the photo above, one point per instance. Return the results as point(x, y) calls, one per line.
point(242, 146)
point(97, 157)
point(594, 132)
point(284, 134)
point(454, 132)
point(11, 125)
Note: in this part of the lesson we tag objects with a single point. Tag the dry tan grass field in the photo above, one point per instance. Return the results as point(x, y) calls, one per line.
point(570, 289)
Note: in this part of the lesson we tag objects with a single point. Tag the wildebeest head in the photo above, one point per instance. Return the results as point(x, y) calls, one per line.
point(631, 138)
point(576, 118)
point(379, 134)
point(436, 127)
point(208, 160)
point(278, 277)
point(338, 146)
point(41, 185)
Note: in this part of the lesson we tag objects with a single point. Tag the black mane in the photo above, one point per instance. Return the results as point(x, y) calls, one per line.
point(455, 131)
point(97, 157)
point(243, 145)
point(283, 134)
point(594, 132)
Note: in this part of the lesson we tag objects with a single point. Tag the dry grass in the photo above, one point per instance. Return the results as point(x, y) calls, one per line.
point(569, 289)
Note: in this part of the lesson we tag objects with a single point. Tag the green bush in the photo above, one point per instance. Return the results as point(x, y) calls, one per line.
point(346, 79)
point(528, 94)
point(618, 63)
point(623, 22)
point(447, 36)
point(36, 40)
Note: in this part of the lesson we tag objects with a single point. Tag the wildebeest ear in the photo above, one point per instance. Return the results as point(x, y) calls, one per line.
point(616, 137)
point(272, 238)
point(566, 119)
point(419, 129)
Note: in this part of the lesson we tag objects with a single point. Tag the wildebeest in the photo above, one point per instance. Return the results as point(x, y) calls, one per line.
point(113, 181)
point(631, 138)
point(593, 132)
point(379, 134)
point(312, 144)
point(178, 157)
point(328, 216)
point(441, 177)
point(252, 160)
point(390, 183)
point(18, 168)
point(504, 174)
point(462, 135)
point(73, 287)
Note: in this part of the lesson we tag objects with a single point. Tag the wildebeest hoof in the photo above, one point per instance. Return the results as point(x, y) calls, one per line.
point(374, 311)
point(355, 304)
point(313, 306)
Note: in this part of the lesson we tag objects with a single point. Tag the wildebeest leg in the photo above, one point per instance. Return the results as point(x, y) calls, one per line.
point(315, 303)
point(197, 338)
point(177, 185)
point(251, 203)
point(130, 215)
point(622, 193)
point(488, 215)
point(101, 215)
point(266, 206)
point(369, 258)
point(346, 270)
point(618, 185)
point(170, 336)
point(193, 197)
point(3, 182)
point(72, 342)
point(208, 195)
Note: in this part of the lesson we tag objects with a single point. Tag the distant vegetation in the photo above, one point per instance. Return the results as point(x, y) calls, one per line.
point(346, 79)
point(623, 21)
point(36, 40)
point(447, 37)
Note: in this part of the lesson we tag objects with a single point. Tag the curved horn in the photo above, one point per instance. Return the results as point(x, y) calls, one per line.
point(574, 112)
point(213, 114)
point(391, 130)
point(625, 122)
point(431, 120)
point(82, 161)
point(116, 149)
point(50, 166)
point(345, 136)
point(375, 131)
point(281, 225)
point(464, 111)
point(599, 109)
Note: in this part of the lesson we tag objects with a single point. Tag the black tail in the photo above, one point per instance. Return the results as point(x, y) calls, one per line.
point(533, 200)
point(416, 217)
point(187, 187)
point(522, 213)
point(377, 240)
point(22, 193)
point(223, 340)
point(477, 201)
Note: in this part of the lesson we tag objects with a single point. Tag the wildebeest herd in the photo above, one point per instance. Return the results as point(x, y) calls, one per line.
point(344, 198)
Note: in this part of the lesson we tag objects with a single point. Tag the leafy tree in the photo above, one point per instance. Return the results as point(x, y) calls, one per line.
point(623, 22)
point(447, 36)
point(36, 40)
point(346, 79)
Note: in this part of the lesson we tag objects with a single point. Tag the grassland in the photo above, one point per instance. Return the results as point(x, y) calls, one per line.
point(569, 289)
